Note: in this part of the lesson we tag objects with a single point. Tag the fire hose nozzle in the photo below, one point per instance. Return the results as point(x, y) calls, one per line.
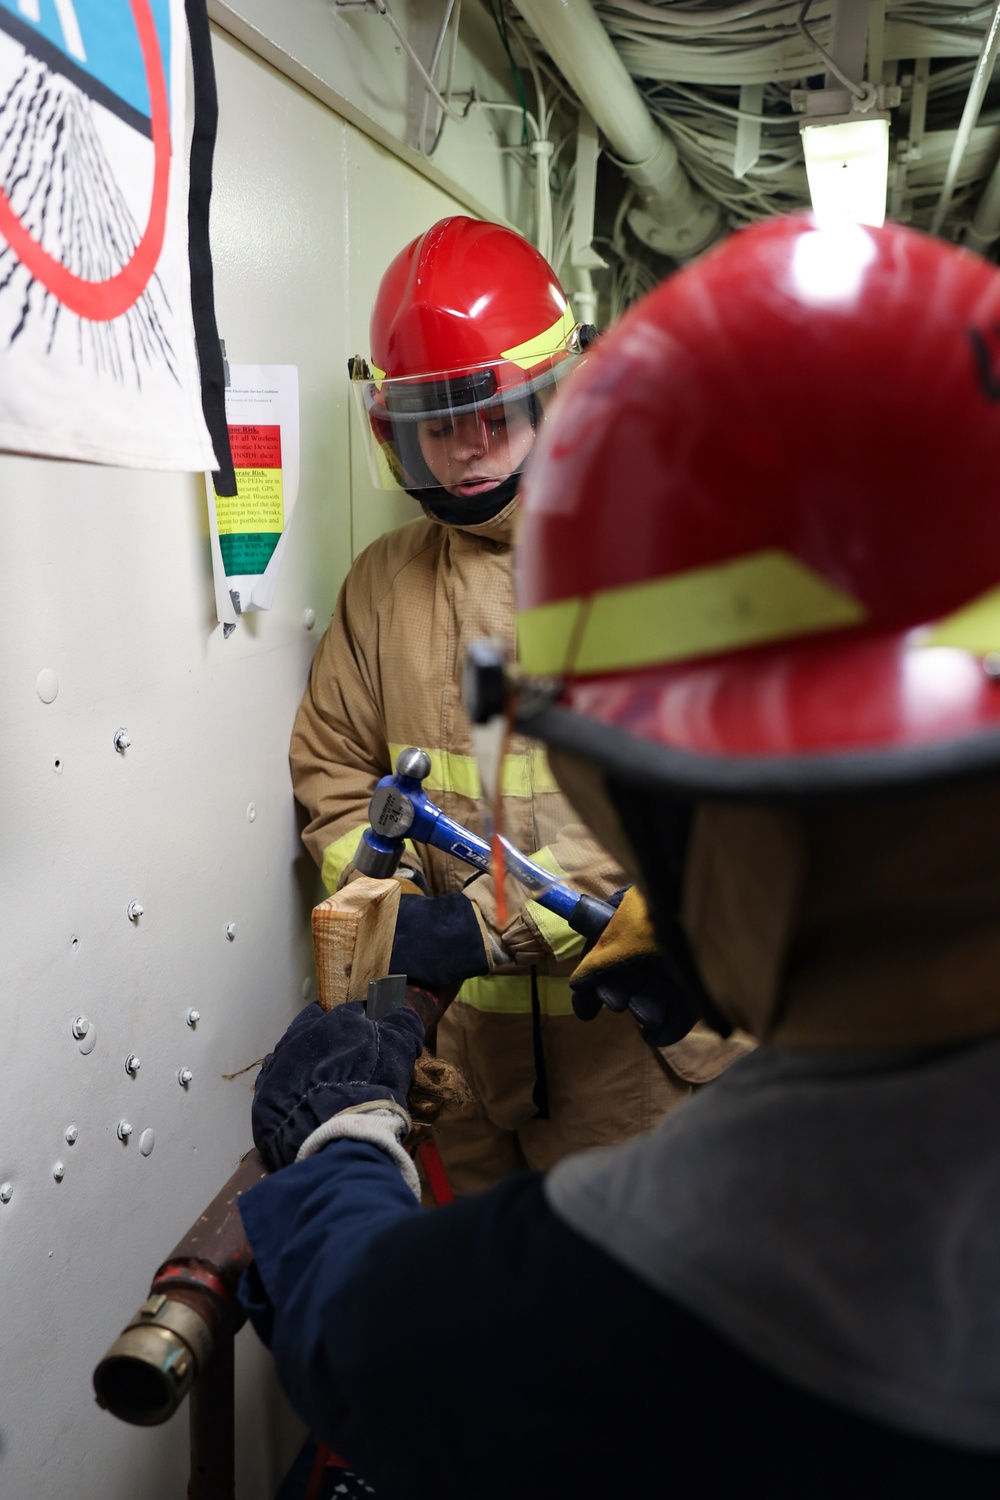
point(190, 1313)
point(150, 1368)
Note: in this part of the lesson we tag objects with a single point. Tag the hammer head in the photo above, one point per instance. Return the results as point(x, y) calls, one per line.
point(412, 764)
point(390, 815)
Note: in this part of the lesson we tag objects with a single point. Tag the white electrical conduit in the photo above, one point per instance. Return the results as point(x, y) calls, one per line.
point(662, 17)
point(970, 114)
point(832, 65)
point(542, 150)
point(452, 6)
point(381, 8)
point(985, 227)
point(674, 217)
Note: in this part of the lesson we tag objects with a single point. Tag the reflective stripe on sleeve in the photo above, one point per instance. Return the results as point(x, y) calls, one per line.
point(558, 934)
point(338, 855)
point(522, 775)
point(510, 994)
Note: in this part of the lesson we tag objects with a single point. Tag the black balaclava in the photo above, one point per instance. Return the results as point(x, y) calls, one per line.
point(445, 507)
point(658, 827)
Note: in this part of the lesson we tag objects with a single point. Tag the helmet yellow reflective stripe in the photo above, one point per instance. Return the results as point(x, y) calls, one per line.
point(553, 340)
point(532, 351)
point(974, 628)
point(746, 601)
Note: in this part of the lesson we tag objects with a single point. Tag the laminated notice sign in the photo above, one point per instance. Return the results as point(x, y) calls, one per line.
point(97, 333)
point(249, 528)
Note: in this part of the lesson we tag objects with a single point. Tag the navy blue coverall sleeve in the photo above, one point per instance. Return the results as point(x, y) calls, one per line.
point(309, 1224)
point(486, 1351)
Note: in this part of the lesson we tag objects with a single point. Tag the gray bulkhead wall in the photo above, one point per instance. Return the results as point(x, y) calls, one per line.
point(107, 595)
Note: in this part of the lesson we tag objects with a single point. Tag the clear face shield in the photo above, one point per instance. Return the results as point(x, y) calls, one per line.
point(463, 431)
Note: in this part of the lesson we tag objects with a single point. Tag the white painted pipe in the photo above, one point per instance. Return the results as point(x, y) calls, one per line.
point(673, 216)
point(970, 114)
point(984, 230)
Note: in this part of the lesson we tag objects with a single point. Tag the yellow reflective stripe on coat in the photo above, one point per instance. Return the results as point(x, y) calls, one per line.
point(974, 628)
point(543, 345)
point(338, 855)
point(767, 596)
point(510, 995)
point(558, 934)
point(521, 775)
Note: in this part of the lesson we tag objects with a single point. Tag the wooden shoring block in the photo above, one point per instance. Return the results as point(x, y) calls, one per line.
point(352, 939)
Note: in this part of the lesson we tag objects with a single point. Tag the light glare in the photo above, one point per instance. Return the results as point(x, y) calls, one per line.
point(828, 265)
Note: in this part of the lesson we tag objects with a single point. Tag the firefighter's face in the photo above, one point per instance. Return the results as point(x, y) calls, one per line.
point(472, 452)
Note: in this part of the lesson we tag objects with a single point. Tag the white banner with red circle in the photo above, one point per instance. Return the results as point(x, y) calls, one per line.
point(97, 345)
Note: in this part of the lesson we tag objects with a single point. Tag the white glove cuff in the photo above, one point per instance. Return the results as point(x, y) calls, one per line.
point(380, 1122)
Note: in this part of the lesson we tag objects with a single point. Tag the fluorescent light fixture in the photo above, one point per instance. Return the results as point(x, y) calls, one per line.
point(847, 164)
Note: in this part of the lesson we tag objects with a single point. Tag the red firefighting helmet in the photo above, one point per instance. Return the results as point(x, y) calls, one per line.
point(469, 318)
point(760, 536)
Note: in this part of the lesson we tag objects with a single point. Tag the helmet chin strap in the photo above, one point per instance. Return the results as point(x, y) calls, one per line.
point(455, 512)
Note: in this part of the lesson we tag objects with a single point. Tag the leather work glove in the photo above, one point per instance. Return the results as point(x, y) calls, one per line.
point(626, 970)
point(328, 1062)
point(521, 943)
point(524, 942)
point(441, 941)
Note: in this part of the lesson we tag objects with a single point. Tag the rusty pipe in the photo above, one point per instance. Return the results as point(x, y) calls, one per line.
point(191, 1309)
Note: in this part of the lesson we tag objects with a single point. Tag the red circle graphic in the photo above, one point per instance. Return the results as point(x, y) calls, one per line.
point(100, 301)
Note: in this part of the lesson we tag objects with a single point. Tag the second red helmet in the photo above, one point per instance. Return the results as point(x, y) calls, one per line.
point(469, 319)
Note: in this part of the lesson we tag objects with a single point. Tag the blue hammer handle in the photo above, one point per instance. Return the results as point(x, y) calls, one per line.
point(400, 809)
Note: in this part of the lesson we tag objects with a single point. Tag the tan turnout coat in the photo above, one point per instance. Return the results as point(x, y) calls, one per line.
point(387, 674)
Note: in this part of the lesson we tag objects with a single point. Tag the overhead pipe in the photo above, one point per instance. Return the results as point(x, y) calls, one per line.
point(984, 231)
point(673, 216)
point(970, 114)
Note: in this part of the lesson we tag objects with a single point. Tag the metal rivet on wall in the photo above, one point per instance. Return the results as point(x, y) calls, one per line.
point(124, 1130)
point(193, 1017)
point(184, 1077)
point(132, 1065)
point(122, 740)
point(85, 1032)
point(134, 910)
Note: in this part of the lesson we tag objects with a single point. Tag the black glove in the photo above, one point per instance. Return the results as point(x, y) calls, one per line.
point(328, 1061)
point(440, 941)
point(625, 970)
point(646, 986)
